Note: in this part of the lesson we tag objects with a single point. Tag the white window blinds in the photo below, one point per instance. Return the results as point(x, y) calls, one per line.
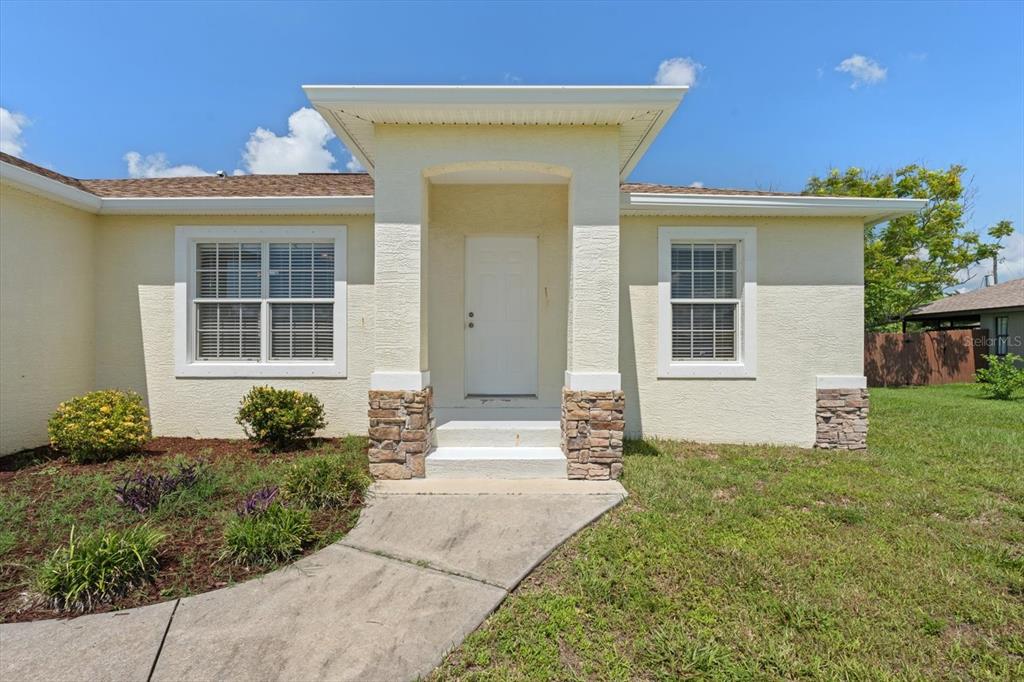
point(260, 301)
point(704, 301)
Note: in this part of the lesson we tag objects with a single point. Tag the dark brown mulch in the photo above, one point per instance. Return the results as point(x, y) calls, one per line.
point(190, 554)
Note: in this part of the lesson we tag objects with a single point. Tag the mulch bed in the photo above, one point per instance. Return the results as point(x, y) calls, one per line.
point(190, 554)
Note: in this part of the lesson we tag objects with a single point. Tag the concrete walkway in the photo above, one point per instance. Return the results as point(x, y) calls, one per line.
point(426, 564)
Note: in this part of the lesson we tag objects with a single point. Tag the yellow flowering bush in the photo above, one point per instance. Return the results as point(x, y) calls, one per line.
point(278, 418)
point(99, 426)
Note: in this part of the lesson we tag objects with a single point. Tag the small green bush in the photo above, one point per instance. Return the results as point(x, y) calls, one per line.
point(334, 480)
point(100, 426)
point(98, 568)
point(278, 418)
point(1002, 378)
point(270, 536)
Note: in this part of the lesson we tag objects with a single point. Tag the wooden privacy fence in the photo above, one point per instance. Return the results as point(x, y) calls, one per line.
point(921, 358)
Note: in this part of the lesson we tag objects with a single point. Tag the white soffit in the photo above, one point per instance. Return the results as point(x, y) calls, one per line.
point(353, 110)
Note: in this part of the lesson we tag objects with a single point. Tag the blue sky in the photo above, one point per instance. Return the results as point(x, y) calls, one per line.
point(934, 83)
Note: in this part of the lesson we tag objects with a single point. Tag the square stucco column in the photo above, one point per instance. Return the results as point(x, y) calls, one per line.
point(400, 400)
point(592, 401)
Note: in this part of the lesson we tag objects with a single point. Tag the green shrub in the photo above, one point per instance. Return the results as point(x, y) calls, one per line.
point(98, 568)
point(334, 480)
point(279, 419)
point(99, 426)
point(269, 536)
point(1002, 378)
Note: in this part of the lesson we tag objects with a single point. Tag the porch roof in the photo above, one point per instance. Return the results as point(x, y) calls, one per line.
point(353, 111)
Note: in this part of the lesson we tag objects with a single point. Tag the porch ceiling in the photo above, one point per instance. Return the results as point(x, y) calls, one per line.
point(353, 110)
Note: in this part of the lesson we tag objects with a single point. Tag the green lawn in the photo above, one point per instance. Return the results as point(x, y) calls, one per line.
point(905, 562)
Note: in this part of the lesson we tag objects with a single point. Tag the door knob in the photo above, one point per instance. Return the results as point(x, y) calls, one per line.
point(470, 325)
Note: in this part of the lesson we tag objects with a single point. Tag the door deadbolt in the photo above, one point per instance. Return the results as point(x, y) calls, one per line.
point(471, 314)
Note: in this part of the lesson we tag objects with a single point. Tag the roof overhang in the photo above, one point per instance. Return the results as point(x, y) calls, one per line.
point(354, 111)
point(871, 211)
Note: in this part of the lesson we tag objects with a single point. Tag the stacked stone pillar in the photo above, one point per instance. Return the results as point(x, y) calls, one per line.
point(401, 432)
point(592, 427)
point(842, 416)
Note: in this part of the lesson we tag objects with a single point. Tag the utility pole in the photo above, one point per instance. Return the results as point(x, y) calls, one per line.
point(995, 269)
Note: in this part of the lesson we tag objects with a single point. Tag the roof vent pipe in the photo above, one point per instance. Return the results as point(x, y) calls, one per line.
point(221, 174)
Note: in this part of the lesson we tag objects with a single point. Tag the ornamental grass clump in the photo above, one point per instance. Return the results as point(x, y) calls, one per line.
point(326, 481)
point(100, 426)
point(98, 568)
point(1003, 378)
point(280, 419)
point(143, 491)
point(267, 537)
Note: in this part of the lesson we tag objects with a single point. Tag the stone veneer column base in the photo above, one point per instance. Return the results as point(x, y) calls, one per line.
point(401, 431)
point(842, 415)
point(592, 426)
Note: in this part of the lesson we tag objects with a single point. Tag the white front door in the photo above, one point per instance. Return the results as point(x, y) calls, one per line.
point(501, 315)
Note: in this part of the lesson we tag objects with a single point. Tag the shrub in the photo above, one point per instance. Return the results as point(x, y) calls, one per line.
point(267, 537)
point(98, 568)
point(1002, 378)
point(279, 419)
point(325, 481)
point(143, 492)
point(99, 426)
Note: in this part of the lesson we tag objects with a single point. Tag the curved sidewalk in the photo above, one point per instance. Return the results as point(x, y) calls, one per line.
point(426, 564)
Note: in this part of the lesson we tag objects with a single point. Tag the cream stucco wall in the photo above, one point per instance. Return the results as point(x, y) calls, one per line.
point(407, 157)
point(457, 211)
point(134, 268)
point(809, 323)
point(46, 312)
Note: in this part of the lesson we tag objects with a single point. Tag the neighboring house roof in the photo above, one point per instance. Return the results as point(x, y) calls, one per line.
point(1006, 295)
point(352, 194)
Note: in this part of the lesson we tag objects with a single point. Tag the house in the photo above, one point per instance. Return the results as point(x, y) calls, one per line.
point(997, 309)
point(490, 298)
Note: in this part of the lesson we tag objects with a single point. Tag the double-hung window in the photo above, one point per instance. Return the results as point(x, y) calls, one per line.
point(260, 302)
point(707, 302)
point(1002, 335)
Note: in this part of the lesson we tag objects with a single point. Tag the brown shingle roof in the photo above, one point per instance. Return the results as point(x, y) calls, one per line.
point(1006, 295)
point(300, 185)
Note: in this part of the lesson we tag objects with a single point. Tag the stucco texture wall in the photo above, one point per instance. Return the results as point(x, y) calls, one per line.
point(457, 211)
point(809, 323)
point(1014, 327)
point(135, 327)
point(46, 334)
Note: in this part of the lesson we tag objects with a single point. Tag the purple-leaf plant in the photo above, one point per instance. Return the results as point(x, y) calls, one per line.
point(258, 501)
point(143, 492)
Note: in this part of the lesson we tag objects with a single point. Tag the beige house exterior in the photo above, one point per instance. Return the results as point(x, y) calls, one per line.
point(490, 299)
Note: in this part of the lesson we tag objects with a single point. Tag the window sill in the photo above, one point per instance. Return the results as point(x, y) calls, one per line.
point(252, 370)
point(708, 370)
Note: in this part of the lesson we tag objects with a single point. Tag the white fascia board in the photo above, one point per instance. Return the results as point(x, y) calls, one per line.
point(870, 210)
point(464, 95)
point(348, 205)
point(49, 188)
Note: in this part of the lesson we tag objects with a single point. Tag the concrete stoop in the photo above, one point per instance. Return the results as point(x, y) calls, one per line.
point(497, 449)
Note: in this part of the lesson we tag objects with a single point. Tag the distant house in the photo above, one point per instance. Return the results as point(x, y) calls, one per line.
point(998, 309)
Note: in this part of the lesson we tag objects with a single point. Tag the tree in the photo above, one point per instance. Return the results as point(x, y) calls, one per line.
point(913, 259)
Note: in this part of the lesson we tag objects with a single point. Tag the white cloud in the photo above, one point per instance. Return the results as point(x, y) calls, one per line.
point(353, 166)
point(157, 166)
point(697, 184)
point(12, 126)
point(678, 71)
point(1011, 258)
point(302, 150)
point(864, 70)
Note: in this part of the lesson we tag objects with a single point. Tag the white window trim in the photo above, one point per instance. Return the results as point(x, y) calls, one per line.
point(745, 364)
point(185, 238)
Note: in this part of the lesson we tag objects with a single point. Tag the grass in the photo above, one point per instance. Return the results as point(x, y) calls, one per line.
point(44, 497)
point(741, 562)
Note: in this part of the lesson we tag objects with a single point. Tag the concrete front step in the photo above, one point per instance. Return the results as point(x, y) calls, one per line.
point(499, 433)
point(496, 462)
